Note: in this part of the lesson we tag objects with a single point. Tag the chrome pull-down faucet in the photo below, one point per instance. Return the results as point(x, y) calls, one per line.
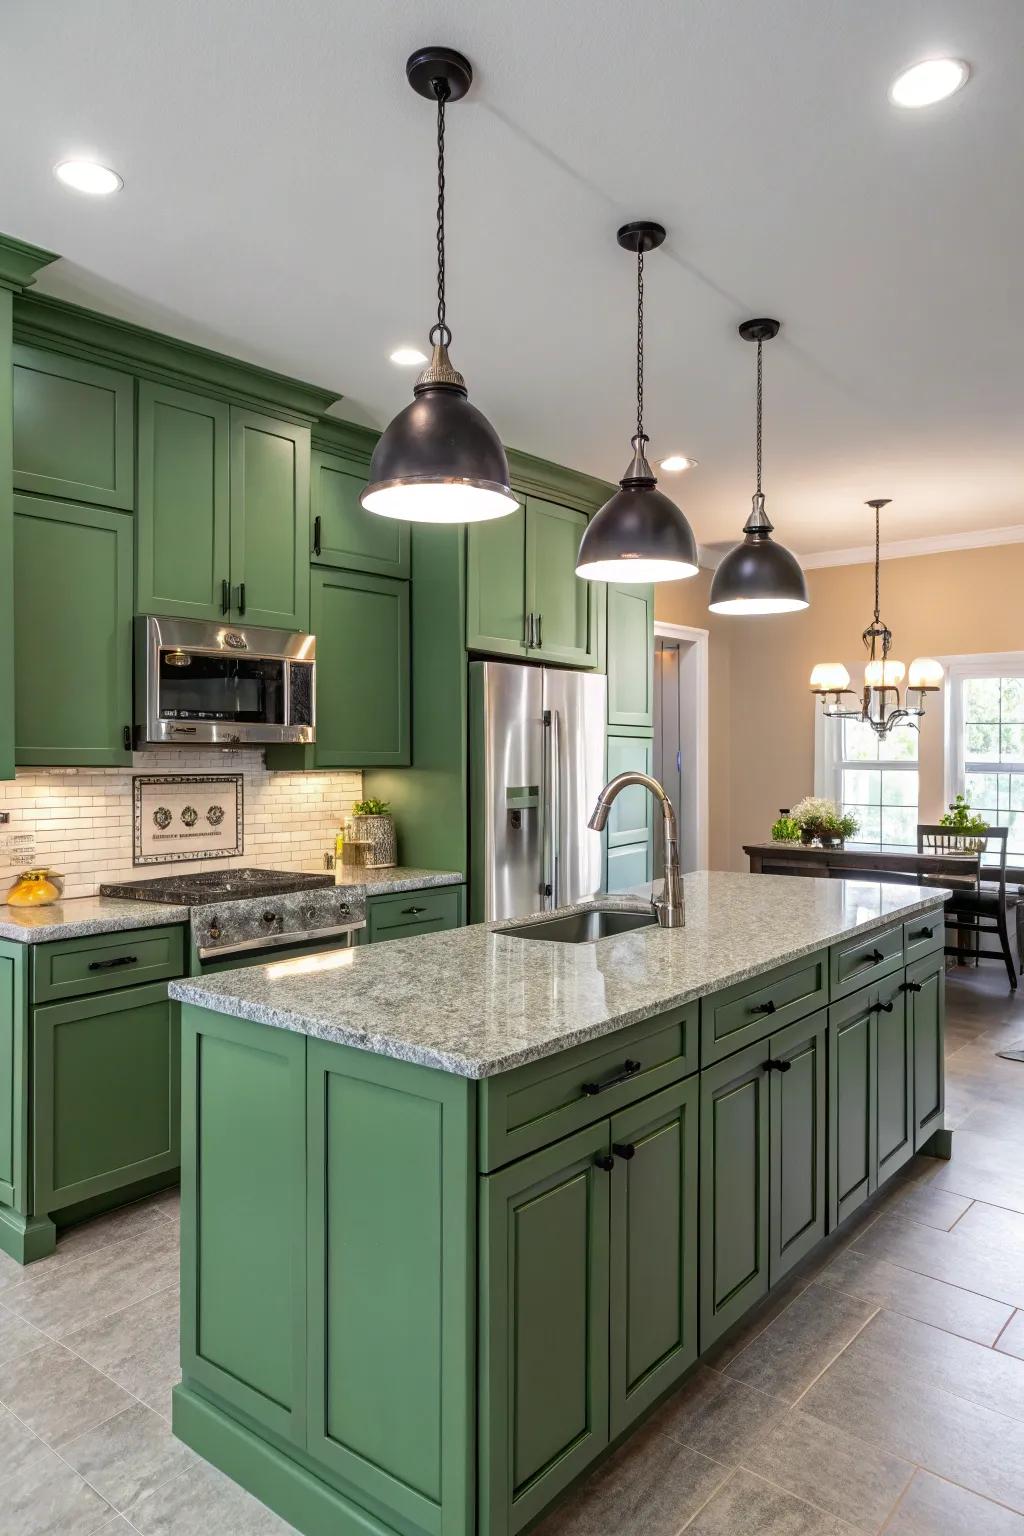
point(670, 909)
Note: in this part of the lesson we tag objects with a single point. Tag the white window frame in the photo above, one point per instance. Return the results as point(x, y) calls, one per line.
point(828, 770)
point(958, 670)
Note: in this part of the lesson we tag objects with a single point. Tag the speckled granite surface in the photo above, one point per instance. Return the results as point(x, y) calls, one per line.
point(83, 915)
point(382, 882)
point(478, 1001)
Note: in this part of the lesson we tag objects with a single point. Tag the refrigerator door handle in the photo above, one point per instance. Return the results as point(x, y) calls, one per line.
point(556, 809)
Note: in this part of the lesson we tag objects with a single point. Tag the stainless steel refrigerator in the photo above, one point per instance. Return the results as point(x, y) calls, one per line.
point(537, 761)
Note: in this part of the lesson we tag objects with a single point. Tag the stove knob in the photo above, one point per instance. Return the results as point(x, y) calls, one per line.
point(344, 909)
point(269, 917)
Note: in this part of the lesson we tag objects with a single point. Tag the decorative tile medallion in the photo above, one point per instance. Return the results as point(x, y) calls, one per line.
point(187, 816)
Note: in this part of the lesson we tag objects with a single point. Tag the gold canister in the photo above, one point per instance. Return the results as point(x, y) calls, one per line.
point(36, 888)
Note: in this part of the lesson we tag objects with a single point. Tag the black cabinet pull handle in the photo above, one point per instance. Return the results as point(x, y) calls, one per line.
point(412, 911)
point(882, 1007)
point(127, 738)
point(773, 1065)
point(241, 597)
point(768, 1007)
point(225, 596)
point(911, 986)
point(108, 965)
point(629, 1069)
point(926, 933)
point(538, 642)
point(317, 524)
point(624, 1149)
point(605, 1162)
point(872, 959)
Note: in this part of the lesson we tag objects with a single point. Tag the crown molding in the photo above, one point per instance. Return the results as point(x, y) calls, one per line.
point(19, 263)
point(904, 549)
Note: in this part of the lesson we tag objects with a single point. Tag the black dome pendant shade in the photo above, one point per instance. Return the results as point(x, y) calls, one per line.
point(758, 576)
point(440, 460)
point(639, 535)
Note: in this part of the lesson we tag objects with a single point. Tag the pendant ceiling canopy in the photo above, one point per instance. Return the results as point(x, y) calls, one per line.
point(639, 535)
point(758, 576)
point(440, 460)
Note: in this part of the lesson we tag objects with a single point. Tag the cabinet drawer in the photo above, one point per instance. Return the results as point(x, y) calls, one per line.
point(754, 1009)
point(413, 912)
point(858, 962)
point(536, 1104)
point(103, 962)
point(924, 935)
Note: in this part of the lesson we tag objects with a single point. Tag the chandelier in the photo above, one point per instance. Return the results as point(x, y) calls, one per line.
point(881, 705)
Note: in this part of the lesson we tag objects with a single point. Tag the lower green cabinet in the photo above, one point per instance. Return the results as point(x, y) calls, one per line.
point(14, 1075)
point(853, 1104)
point(798, 1095)
point(926, 1011)
point(894, 1087)
point(415, 912)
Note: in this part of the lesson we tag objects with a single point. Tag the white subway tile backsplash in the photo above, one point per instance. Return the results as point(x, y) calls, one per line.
point(79, 821)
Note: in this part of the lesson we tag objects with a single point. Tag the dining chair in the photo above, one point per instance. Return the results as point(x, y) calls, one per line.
point(976, 908)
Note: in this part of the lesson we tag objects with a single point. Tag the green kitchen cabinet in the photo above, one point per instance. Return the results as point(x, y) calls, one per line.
point(630, 832)
point(630, 643)
point(73, 623)
point(411, 913)
point(269, 520)
point(894, 1057)
point(523, 596)
point(628, 867)
point(853, 1104)
point(183, 546)
point(544, 1257)
point(734, 1189)
point(98, 1129)
point(14, 1077)
point(342, 532)
point(653, 1249)
point(798, 1103)
point(926, 1010)
point(74, 433)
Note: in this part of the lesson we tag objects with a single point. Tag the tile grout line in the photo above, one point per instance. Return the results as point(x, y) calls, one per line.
point(889, 1306)
point(1001, 1300)
point(713, 1495)
point(959, 1219)
point(836, 1356)
point(995, 1342)
point(55, 1338)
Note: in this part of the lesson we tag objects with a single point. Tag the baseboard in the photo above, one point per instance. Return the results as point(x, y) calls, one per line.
point(26, 1238)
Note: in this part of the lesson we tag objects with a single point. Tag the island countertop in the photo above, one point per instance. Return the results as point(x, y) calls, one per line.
point(478, 1001)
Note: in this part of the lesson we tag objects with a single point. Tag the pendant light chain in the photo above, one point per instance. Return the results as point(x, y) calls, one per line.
point(442, 91)
point(640, 346)
point(759, 407)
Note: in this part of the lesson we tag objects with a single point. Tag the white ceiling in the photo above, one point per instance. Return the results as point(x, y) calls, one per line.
point(278, 205)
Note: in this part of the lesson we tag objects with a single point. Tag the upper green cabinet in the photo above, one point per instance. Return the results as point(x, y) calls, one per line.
point(183, 559)
point(73, 429)
point(630, 645)
point(523, 595)
point(223, 511)
point(342, 533)
point(73, 622)
point(269, 511)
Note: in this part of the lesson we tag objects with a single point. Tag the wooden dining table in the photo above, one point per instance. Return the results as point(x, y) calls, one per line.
point(904, 868)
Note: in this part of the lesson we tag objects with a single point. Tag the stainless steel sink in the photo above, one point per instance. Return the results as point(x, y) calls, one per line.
point(583, 927)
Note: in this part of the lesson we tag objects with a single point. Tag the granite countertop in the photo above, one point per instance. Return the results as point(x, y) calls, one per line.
point(378, 882)
point(478, 1001)
point(82, 915)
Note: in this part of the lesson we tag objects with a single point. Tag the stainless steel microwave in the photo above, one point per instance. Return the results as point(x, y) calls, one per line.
point(229, 684)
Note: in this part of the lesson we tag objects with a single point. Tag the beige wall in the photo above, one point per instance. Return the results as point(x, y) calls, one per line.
point(762, 713)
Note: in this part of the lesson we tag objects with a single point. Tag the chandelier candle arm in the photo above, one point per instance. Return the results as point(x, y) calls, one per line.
point(440, 460)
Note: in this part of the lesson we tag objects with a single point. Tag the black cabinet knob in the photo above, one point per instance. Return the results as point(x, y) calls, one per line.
point(911, 986)
point(624, 1149)
point(777, 1065)
point(882, 1007)
point(768, 1007)
point(605, 1162)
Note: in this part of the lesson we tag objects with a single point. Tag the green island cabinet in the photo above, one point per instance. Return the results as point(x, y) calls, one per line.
point(89, 1079)
point(476, 1289)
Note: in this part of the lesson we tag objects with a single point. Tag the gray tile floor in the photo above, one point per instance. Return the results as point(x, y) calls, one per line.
point(881, 1390)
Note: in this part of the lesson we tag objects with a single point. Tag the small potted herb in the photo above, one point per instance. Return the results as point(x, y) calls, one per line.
point(374, 827)
point(969, 828)
point(821, 821)
point(786, 829)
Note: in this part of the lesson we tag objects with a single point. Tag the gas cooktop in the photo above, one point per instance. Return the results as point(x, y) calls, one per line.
point(193, 890)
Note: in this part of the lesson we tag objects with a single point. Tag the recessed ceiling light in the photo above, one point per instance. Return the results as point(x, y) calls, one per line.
point(408, 357)
point(677, 462)
point(928, 82)
point(87, 176)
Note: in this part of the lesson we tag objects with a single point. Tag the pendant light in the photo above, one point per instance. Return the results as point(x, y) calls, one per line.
point(639, 534)
point(440, 460)
point(758, 576)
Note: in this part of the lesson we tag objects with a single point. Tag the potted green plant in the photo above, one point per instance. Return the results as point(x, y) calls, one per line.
point(786, 829)
point(821, 821)
point(374, 827)
point(969, 828)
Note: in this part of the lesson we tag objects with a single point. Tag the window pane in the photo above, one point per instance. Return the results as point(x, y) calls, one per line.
point(981, 698)
point(980, 791)
point(899, 826)
point(861, 786)
point(899, 788)
point(1016, 791)
point(1011, 743)
point(860, 744)
point(1015, 822)
point(869, 818)
point(900, 745)
point(1011, 702)
point(981, 743)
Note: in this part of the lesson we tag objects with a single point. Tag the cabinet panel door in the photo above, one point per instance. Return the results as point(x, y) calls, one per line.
point(243, 1217)
point(14, 1075)
point(631, 818)
point(73, 429)
point(853, 1103)
point(559, 598)
point(926, 1004)
point(734, 1189)
point(391, 1319)
point(342, 533)
point(413, 913)
point(183, 524)
point(544, 1332)
point(496, 585)
point(797, 1157)
point(628, 867)
point(653, 1249)
point(73, 620)
point(630, 644)
point(269, 520)
point(361, 625)
point(895, 1079)
point(96, 1129)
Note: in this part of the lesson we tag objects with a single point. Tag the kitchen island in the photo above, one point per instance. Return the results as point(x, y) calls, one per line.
point(457, 1212)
